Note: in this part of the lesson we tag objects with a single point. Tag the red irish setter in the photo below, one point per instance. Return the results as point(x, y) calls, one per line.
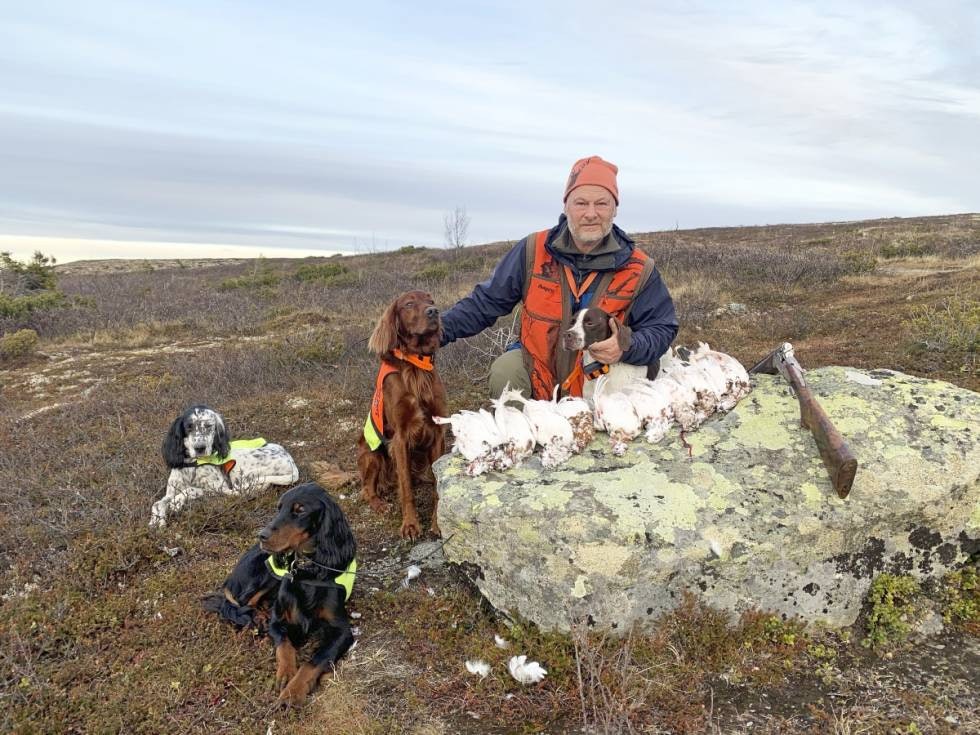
point(407, 441)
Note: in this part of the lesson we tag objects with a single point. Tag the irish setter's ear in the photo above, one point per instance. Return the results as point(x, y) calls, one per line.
point(385, 335)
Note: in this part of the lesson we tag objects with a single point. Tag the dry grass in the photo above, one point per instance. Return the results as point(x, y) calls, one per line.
point(100, 628)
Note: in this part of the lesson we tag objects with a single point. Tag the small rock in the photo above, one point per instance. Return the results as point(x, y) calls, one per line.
point(930, 625)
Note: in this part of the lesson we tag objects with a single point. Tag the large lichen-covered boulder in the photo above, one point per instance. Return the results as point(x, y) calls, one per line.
point(744, 516)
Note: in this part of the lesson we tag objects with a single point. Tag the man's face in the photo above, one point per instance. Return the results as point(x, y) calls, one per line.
point(591, 210)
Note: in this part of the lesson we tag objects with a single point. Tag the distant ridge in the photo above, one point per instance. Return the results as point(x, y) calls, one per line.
point(114, 265)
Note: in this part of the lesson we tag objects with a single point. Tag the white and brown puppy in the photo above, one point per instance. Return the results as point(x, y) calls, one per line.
point(591, 325)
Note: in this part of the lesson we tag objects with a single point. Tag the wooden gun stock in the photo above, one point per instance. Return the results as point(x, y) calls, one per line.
point(836, 455)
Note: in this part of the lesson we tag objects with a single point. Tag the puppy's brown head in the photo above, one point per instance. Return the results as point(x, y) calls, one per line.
point(410, 323)
point(589, 326)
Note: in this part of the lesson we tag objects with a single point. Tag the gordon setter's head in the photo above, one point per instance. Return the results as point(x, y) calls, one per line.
point(197, 432)
point(308, 521)
point(410, 323)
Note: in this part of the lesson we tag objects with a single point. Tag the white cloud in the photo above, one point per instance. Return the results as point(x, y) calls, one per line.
point(285, 126)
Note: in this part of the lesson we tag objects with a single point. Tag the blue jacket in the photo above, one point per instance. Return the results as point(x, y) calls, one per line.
point(652, 318)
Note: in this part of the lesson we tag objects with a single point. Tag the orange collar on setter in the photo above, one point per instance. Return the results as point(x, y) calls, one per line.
point(420, 361)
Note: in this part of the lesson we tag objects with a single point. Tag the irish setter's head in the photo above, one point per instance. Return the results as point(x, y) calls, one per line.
point(411, 323)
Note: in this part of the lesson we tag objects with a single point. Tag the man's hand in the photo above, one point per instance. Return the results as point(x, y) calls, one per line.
point(610, 350)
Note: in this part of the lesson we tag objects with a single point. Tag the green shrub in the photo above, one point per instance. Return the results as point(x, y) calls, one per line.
point(892, 599)
point(904, 249)
point(23, 305)
point(35, 275)
point(262, 278)
point(20, 343)
point(961, 596)
point(860, 261)
point(27, 287)
point(255, 282)
point(434, 272)
point(324, 272)
point(953, 325)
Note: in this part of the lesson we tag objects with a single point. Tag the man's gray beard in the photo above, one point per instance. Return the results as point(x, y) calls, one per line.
point(590, 240)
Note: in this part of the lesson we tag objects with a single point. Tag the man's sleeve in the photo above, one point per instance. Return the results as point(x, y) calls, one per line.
point(653, 321)
point(490, 300)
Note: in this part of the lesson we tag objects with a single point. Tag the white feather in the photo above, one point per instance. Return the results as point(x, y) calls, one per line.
point(524, 671)
point(501, 643)
point(715, 548)
point(411, 573)
point(478, 667)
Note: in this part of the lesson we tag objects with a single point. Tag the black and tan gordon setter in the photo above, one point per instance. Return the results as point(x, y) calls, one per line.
point(304, 568)
point(400, 440)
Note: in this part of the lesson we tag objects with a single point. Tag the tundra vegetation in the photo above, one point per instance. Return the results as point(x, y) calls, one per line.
point(101, 628)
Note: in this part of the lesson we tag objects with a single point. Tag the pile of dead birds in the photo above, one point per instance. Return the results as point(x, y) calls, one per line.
point(691, 386)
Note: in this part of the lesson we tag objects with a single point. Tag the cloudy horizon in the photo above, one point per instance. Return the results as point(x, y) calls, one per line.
point(156, 128)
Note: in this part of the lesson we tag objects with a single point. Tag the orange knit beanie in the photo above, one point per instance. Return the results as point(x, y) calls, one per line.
point(593, 170)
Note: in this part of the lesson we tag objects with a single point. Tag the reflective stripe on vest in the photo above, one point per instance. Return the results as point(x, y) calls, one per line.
point(546, 303)
point(238, 444)
point(346, 580)
point(279, 566)
point(374, 426)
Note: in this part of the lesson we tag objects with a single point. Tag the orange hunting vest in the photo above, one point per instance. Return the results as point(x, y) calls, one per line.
point(547, 310)
point(374, 427)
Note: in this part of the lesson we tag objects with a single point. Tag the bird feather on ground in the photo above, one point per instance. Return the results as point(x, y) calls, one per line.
point(478, 667)
point(524, 671)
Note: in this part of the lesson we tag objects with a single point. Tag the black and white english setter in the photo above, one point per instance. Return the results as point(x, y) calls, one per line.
point(204, 460)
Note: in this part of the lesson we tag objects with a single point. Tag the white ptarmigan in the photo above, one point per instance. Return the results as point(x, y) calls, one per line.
point(516, 430)
point(477, 439)
point(615, 415)
point(551, 430)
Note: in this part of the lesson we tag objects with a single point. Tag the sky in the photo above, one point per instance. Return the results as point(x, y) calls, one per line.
point(213, 129)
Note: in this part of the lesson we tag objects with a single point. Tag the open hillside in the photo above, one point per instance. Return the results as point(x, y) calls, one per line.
point(101, 629)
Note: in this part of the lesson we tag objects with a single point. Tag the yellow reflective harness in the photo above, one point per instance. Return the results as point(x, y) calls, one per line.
point(282, 564)
point(227, 463)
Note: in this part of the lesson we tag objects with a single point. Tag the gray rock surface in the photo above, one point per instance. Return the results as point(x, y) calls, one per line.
point(746, 518)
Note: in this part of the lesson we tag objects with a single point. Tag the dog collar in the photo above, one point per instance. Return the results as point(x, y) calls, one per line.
point(594, 369)
point(590, 372)
point(420, 361)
